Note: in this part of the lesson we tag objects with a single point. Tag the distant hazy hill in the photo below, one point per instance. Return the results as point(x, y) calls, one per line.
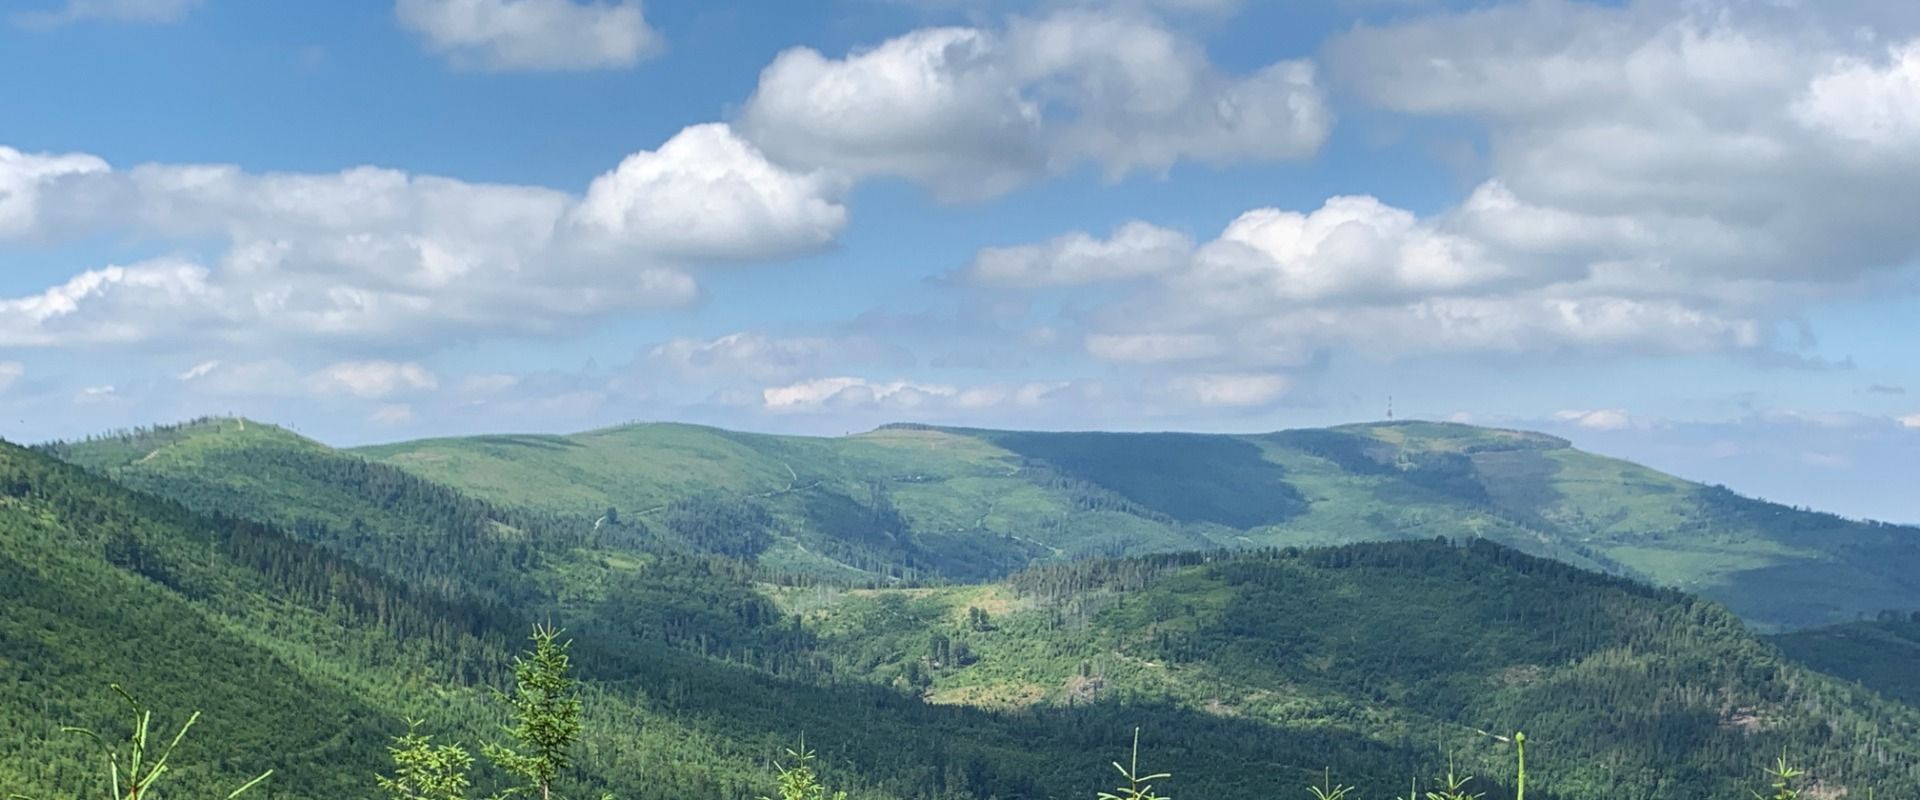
point(1250, 672)
point(1883, 654)
point(970, 503)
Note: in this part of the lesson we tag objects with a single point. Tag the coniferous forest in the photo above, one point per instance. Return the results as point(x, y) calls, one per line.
point(852, 623)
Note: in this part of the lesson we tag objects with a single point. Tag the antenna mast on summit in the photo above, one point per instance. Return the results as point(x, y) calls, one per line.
point(1389, 408)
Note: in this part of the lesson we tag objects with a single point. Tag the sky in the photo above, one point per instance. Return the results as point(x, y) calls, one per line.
point(1676, 231)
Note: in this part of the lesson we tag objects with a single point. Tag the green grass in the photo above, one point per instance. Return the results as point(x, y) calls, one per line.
point(923, 503)
point(1253, 671)
point(1644, 690)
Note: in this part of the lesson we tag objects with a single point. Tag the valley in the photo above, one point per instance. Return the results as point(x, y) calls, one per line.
point(1003, 609)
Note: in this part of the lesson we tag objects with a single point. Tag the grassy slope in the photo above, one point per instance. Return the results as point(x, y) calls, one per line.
point(1074, 495)
point(300, 670)
point(1195, 659)
point(979, 504)
point(1626, 690)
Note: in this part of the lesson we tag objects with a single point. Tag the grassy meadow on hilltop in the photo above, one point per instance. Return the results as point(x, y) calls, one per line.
point(710, 638)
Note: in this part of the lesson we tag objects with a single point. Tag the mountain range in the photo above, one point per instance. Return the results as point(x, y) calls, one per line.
point(957, 613)
point(915, 502)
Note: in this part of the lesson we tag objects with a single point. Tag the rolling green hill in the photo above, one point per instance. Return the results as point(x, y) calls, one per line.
point(305, 662)
point(969, 504)
point(1882, 654)
point(1249, 672)
point(1643, 691)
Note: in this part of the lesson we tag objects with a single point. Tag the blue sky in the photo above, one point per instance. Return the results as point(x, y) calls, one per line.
point(1674, 231)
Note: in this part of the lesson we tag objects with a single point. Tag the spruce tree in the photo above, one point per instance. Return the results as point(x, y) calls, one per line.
point(546, 715)
point(424, 771)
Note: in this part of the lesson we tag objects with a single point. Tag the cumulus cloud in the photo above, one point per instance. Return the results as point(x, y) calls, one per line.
point(1875, 102)
point(1910, 421)
point(21, 177)
point(370, 253)
point(375, 379)
point(533, 35)
point(112, 305)
point(10, 372)
point(1701, 139)
point(1277, 288)
point(137, 11)
point(1605, 419)
point(1664, 177)
point(973, 112)
point(1136, 249)
point(1351, 246)
point(708, 194)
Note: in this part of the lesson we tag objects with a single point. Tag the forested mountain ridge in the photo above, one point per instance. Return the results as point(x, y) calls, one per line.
point(305, 663)
point(918, 502)
point(99, 584)
point(1882, 654)
point(1636, 690)
point(1231, 662)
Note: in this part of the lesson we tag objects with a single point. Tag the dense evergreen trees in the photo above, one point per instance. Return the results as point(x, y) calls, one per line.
point(310, 601)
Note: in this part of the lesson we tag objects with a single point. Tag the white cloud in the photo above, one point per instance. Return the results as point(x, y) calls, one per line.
point(1866, 102)
point(1350, 246)
point(21, 178)
point(1136, 249)
point(372, 253)
point(112, 305)
point(374, 379)
point(10, 372)
point(906, 399)
point(827, 393)
point(533, 34)
point(140, 11)
point(1710, 141)
point(1664, 177)
point(1910, 421)
point(707, 194)
point(268, 378)
point(759, 357)
point(1605, 419)
point(1278, 287)
point(973, 112)
point(1233, 390)
point(198, 371)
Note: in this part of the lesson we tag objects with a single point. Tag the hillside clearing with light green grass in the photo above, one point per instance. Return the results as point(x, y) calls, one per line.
point(922, 503)
point(1004, 499)
point(1251, 672)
